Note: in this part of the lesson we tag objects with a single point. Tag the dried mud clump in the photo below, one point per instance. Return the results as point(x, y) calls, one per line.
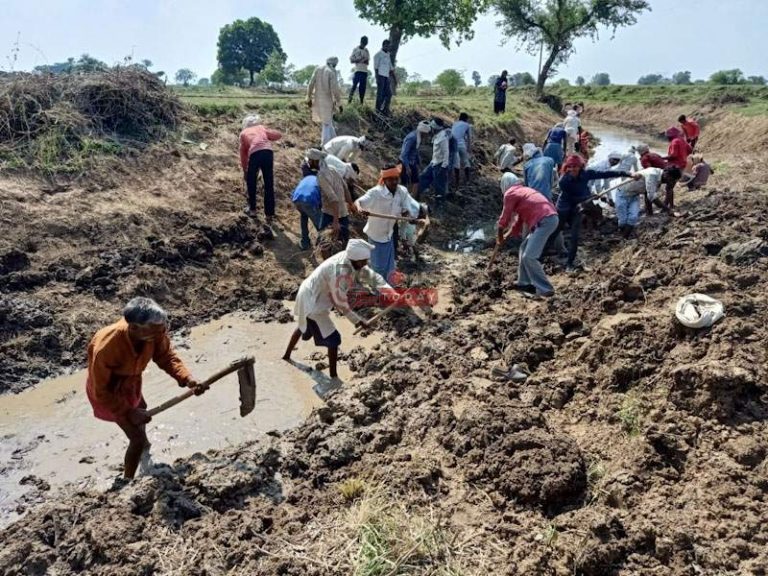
point(510, 449)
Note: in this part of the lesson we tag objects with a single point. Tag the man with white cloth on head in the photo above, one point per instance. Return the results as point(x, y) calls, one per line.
point(323, 96)
point(328, 287)
point(389, 198)
point(345, 147)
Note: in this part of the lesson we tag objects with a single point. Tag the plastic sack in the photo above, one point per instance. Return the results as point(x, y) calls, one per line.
point(698, 311)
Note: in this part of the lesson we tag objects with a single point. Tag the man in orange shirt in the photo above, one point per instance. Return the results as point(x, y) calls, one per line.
point(117, 356)
point(691, 130)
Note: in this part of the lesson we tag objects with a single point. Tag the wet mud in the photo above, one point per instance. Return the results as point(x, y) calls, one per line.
point(630, 445)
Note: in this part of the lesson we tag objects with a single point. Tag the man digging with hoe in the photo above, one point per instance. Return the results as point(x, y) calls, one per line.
point(117, 357)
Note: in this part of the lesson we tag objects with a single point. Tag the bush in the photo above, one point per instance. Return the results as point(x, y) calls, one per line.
point(53, 123)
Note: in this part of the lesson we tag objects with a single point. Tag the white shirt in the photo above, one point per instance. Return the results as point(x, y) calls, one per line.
point(344, 169)
point(651, 181)
point(343, 147)
point(628, 163)
point(360, 58)
point(382, 63)
point(598, 186)
point(441, 148)
point(327, 287)
point(571, 124)
point(506, 156)
point(381, 201)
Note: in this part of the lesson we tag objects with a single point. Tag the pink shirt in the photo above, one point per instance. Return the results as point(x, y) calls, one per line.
point(255, 138)
point(527, 205)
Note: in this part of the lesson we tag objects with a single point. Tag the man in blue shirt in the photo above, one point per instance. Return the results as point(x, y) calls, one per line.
point(462, 132)
point(409, 156)
point(306, 199)
point(539, 171)
point(574, 190)
point(554, 145)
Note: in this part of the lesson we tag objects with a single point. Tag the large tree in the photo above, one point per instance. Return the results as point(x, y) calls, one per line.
point(185, 76)
point(246, 45)
point(404, 19)
point(450, 80)
point(554, 25)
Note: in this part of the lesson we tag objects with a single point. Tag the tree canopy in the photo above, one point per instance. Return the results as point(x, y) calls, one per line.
point(449, 20)
point(275, 70)
point(580, 81)
point(734, 76)
point(556, 24)
point(681, 78)
point(247, 45)
point(651, 80)
point(521, 79)
point(450, 80)
point(302, 76)
point(476, 79)
point(601, 79)
point(185, 76)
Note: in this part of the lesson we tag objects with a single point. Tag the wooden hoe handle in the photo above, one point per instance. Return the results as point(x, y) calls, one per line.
point(234, 367)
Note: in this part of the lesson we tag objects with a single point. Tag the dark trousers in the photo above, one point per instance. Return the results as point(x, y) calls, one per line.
point(383, 94)
point(261, 160)
point(359, 81)
point(572, 217)
point(499, 106)
point(327, 220)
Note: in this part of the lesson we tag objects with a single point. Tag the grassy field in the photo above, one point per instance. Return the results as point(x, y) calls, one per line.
point(216, 101)
point(747, 100)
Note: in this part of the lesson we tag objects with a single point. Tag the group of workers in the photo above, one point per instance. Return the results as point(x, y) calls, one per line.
point(557, 184)
point(549, 195)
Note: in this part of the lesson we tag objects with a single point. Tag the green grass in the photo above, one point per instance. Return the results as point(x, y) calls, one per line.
point(213, 101)
point(631, 415)
point(749, 100)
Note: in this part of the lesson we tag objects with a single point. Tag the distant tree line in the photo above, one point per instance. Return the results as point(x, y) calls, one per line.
point(721, 77)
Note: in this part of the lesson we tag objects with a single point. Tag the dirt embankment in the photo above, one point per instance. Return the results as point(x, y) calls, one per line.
point(633, 447)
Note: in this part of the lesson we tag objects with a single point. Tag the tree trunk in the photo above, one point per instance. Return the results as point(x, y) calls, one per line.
point(251, 73)
point(544, 73)
point(395, 36)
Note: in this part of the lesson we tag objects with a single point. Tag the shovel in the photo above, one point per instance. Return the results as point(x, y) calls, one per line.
point(245, 375)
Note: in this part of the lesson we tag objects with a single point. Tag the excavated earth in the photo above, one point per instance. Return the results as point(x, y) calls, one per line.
point(634, 446)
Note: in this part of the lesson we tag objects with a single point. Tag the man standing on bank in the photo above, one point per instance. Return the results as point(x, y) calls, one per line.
point(360, 58)
point(382, 66)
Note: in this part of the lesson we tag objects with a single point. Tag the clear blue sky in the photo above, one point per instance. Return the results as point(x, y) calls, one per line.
point(697, 35)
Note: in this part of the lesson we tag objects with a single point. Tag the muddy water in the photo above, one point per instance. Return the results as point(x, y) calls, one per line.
point(620, 140)
point(49, 433)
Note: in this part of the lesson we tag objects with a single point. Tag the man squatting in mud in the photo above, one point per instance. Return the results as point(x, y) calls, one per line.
point(117, 357)
point(328, 287)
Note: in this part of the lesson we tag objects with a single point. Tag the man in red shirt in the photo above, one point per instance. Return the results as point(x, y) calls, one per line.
point(650, 159)
point(691, 130)
point(527, 206)
point(677, 159)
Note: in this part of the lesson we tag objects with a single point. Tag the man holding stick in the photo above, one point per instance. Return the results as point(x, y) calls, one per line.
point(382, 205)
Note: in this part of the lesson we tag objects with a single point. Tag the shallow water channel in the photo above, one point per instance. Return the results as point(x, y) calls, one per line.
point(50, 437)
point(481, 235)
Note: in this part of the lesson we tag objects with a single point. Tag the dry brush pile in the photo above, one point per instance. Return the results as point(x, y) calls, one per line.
point(55, 123)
